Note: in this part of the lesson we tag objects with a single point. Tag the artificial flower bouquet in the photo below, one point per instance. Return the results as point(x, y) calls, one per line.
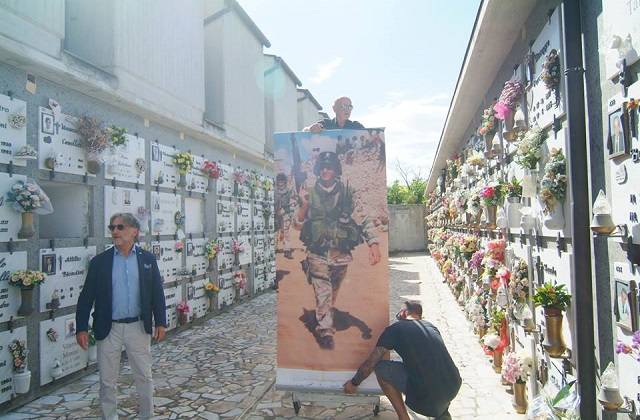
point(551, 74)
point(212, 248)
point(508, 100)
point(184, 161)
point(491, 195)
point(516, 368)
point(239, 280)
point(512, 188)
point(117, 135)
point(28, 197)
point(489, 124)
point(211, 290)
point(476, 159)
point(211, 169)
point(183, 307)
point(529, 151)
point(519, 281)
point(632, 350)
point(93, 138)
point(237, 247)
point(143, 214)
point(19, 352)
point(240, 177)
point(178, 246)
point(27, 279)
point(553, 187)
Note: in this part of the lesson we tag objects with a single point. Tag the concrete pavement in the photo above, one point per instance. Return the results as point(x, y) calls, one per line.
point(225, 367)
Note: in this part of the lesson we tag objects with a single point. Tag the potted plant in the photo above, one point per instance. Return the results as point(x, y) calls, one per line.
point(183, 309)
point(21, 375)
point(554, 300)
point(184, 161)
point(553, 189)
point(28, 198)
point(26, 280)
point(211, 290)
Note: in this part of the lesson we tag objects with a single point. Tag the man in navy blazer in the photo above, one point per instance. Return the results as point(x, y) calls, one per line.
point(124, 287)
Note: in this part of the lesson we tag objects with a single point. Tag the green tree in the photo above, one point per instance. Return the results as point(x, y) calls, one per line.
point(395, 193)
point(410, 193)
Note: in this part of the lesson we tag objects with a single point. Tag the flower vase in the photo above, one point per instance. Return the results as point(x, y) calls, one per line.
point(93, 166)
point(144, 226)
point(481, 332)
point(520, 397)
point(238, 294)
point(182, 318)
point(488, 145)
point(182, 181)
point(210, 186)
point(514, 204)
point(554, 220)
point(529, 183)
point(27, 230)
point(491, 215)
point(212, 304)
point(478, 216)
point(467, 218)
point(236, 259)
point(508, 134)
point(93, 353)
point(553, 342)
point(212, 264)
point(22, 382)
point(26, 305)
point(497, 361)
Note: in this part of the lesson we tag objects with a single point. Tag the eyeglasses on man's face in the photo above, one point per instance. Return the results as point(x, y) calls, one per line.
point(119, 227)
point(344, 107)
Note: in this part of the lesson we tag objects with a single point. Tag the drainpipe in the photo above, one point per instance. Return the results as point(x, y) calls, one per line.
point(581, 283)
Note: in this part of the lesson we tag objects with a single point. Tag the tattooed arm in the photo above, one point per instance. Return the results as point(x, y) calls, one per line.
point(364, 370)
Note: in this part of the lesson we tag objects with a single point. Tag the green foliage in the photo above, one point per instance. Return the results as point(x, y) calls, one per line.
point(413, 193)
point(552, 296)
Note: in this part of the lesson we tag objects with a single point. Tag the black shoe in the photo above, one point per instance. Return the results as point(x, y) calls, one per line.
point(326, 342)
point(287, 254)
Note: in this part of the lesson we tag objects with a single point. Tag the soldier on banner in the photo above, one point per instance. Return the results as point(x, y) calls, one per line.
point(285, 202)
point(329, 233)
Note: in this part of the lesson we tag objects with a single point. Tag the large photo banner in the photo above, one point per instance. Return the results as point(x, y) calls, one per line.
point(332, 270)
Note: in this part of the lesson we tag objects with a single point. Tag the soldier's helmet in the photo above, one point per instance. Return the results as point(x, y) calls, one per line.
point(281, 177)
point(327, 159)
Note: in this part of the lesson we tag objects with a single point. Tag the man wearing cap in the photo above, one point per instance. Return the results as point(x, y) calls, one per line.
point(285, 201)
point(330, 233)
point(342, 107)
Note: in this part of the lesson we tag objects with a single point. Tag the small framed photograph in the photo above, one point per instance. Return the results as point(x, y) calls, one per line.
point(190, 292)
point(155, 153)
point(49, 264)
point(625, 305)
point(618, 142)
point(47, 123)
point(157, 251)
point(189, 249)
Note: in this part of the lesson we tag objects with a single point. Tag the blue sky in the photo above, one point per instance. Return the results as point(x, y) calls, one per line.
point(398, 61)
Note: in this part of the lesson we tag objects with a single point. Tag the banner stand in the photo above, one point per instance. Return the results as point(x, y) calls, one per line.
point(357, 399)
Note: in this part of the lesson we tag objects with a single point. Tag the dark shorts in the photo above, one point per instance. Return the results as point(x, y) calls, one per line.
point(394, 373)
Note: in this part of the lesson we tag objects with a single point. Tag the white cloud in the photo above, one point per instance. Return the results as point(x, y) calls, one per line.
point(413, 129)
point(325, 71)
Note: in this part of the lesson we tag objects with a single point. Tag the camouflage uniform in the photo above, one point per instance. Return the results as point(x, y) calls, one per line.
point(285, 201)
point(330, 234)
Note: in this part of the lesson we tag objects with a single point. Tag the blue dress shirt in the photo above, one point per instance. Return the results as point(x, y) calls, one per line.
point(125, 282)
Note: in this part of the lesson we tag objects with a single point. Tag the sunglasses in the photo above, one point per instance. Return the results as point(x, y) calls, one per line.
point(345, 107)
point(114, 227)
point(399, 314)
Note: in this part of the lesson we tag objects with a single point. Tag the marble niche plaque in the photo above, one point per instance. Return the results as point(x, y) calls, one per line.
point(246, 255)
point(6, 361)
point(227, 292)
point(66, 270)
point(164, 207)
point(225, 220)
point(123, 200)
point(259, 278)
point(243, 215)
point(12, 135)
point(225, 258)
point(196, 259)
point(10, 295)
point(196, 298)
point(57, 139)
point(542, 102)
point(127, 162)
point(225, 184)
point(64, 349)
point(10, 219)
point(194, 215)
point(259, 243)
point(172, 295)
point(271, 274)
point(163, 172)
point(169, 261)
point(196, 180)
